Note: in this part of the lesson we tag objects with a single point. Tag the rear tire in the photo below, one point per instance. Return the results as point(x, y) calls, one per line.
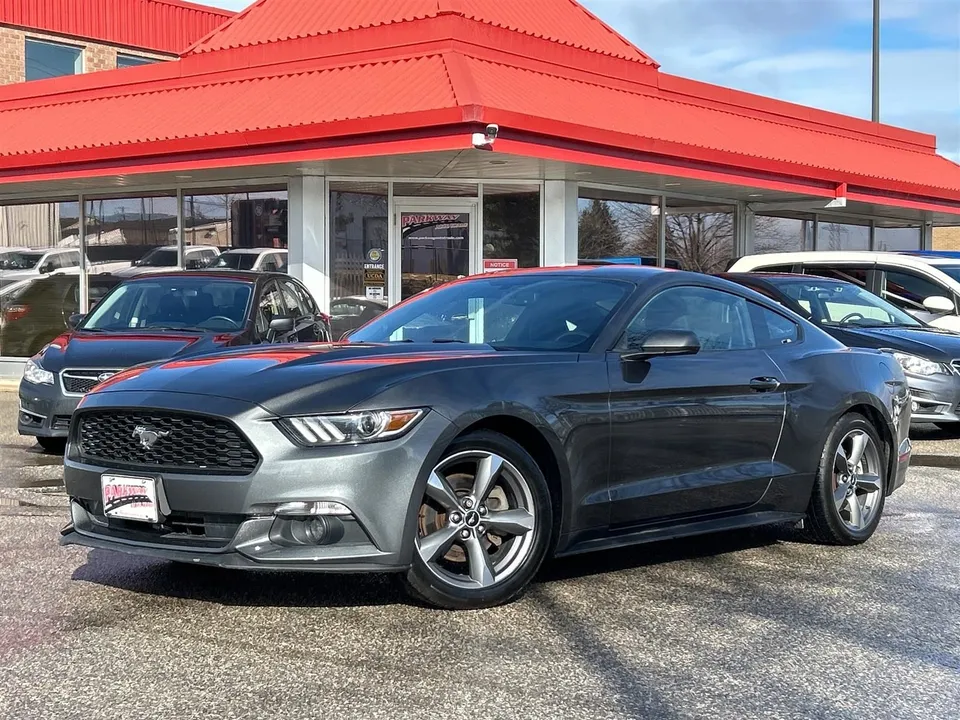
point(850, 488)
point(484, 527)
point(53, 445)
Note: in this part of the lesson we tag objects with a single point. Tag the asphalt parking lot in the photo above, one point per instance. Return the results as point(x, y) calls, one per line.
point(748, 625)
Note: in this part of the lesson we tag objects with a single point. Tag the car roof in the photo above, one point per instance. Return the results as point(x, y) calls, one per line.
point(224, 274)
point(779, 278)
point(848, 256)
point(252, 251)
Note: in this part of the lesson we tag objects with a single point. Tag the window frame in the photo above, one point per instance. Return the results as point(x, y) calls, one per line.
point(884, 270)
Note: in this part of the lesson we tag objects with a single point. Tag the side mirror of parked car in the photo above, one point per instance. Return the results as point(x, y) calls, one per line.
point(665, 342)
point(282, 324)
point(47, 267)
point(939, 304)
point(75, 320)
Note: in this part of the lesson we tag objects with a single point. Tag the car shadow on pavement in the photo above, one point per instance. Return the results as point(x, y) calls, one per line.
point(236, 587)
point(288, 589)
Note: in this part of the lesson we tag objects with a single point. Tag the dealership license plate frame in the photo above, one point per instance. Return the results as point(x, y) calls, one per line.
point(151, 491)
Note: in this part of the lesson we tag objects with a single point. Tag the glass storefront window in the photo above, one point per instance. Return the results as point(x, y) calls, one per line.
point(775, 234)
point(358, 254)
point(434, 189)
point(238, 230)
point(39, 275)
point(701, 238)
point(434, 248)
point(511, 226)
point(842, 236)
point(897, 238)
point(618, 226)
point(131, 236)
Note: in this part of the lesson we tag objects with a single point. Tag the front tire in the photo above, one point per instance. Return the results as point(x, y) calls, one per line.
point(484, 526)
point(850, 489)
point(53, 445)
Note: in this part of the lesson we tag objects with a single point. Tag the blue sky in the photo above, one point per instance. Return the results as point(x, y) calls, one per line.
point(815, 52)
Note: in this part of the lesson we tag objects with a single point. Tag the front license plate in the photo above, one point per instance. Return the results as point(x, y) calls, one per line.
point(130, 498)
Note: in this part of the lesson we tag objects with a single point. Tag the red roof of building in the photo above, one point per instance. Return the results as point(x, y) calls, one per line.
point(164, 26)
point(338, 76)
point(564, 21)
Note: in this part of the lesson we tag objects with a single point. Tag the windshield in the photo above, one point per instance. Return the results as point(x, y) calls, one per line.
point(837, 303)
point(236, 261)
point(204, 304)
point(19, 260)
point(161, 257)
point(519, 312)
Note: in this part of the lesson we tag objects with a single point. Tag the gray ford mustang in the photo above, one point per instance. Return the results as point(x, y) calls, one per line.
point(466, 435)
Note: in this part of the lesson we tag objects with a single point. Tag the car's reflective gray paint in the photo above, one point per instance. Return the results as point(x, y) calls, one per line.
point(641, 450)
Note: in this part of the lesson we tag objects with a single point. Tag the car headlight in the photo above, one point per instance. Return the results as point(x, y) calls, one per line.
point(916, 365)
point(350, 428)
point(33, 373)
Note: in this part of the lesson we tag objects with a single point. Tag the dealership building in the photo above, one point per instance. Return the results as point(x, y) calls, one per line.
point(391, 146)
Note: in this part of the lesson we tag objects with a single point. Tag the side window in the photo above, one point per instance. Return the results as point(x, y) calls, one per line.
point(776, 269)
point(773, 329)
point(70, 259)
point(294, 301)
point(907, 290)
point(54, 260)
point(268, 263)
point(720, 320)
point(306, 299)
point(271, 305)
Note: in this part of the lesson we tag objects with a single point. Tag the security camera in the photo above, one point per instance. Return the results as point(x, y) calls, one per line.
point(484, 140)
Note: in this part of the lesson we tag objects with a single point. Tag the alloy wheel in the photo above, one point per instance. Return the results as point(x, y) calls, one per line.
point(476, 520)
point(857, 480)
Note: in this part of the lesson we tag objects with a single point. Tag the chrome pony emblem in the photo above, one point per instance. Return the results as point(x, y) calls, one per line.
point(103, 377)
point(147, 436)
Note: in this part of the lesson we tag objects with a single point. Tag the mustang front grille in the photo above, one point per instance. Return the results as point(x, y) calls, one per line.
point(164, 441)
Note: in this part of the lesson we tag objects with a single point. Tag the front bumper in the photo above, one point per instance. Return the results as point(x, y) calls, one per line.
point(228, 521)
point(936, 398)
point(44, 410)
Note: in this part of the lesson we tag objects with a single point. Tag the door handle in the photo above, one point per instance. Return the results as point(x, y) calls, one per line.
point(764, 384)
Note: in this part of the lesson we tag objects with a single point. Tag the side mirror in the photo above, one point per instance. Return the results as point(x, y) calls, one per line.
point(75, 320)
point(47, 267)
point(282, 324)
point(939, 304)
point(665, 342)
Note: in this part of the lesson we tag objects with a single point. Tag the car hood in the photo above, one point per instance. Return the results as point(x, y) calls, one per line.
point(939, 345)
point(331, 376)
point(122, 350)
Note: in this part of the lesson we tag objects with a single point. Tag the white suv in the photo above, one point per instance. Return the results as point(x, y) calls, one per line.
point(18, 264)
point(926, 286)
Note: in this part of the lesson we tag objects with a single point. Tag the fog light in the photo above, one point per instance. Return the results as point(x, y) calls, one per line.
point(309, 532)
point(914, 407)
point(311, 509)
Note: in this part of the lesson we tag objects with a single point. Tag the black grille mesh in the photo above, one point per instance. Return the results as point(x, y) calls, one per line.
point(80, 381)
point(190, 443)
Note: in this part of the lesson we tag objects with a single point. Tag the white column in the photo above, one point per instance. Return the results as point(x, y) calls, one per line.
point(307, 235)
point(746, 227)
point(560, 221)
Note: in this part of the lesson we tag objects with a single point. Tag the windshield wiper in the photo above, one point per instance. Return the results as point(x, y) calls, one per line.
point(448, 340)
point(188, 328)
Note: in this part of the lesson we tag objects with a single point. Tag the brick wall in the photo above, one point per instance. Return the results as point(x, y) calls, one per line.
point(946, 238)
point(96, 56)
point(11, 56)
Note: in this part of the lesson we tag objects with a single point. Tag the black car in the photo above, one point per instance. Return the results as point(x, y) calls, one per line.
point(36, 310)
point(349, 313)
point(155, 317)
point(856, 317)
point(619, 405)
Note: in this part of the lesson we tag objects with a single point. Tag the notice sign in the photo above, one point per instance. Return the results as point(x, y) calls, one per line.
point(374, 292)
point(490, 266)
